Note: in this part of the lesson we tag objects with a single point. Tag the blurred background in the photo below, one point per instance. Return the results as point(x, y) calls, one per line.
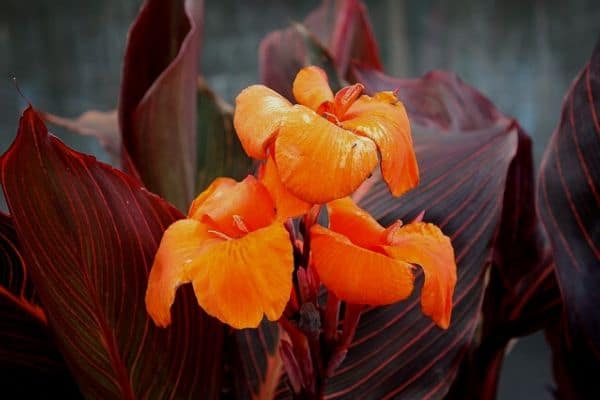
point(67, 58)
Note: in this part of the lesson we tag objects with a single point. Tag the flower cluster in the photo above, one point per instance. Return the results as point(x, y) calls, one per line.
point(237, 246)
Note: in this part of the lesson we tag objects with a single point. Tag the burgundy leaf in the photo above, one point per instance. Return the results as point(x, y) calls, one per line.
point(259, 369)
point(219, 150)
point(466, 150)
point(30, 364)
point(436, 100)
point(339, 26)
point(157, 106)
point(569, 203)
point(15, 283)
point(88, 235)
point(522, 295)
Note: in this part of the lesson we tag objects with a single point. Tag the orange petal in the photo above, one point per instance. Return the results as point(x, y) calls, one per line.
point(178, 251)
point(288, 205)
point(237, 281)
point(356, 224)
point(234, 208)
point(358, 275)
point(424, 244)
point(218, 185)
point(319, 161)
point(259, 111)
point(383, 119)
point(311, 87)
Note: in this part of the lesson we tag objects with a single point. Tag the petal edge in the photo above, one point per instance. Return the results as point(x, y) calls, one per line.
point(243, 279)
point(424, 244)
point(178, 251)
point(259, 112)
point(358, 275)
point(383, 119)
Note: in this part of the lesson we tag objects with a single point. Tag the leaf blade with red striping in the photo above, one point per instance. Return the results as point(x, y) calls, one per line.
point(88, 235)
point(338, 26)
point(27, 350)
point(522, 294)
point(569, 203)
point(157, 105)
point(465, 149)
point(259, 369)
point(220, 152)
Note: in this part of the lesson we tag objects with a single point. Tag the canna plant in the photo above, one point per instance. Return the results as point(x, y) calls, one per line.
point(314, 273)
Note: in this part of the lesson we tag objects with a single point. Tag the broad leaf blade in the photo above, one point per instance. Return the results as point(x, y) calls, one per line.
point(344, 27)
point(465, 149)
point(522, 280)
point(220, 152)
point(522, 295)
point(30, 364)
point(340, 32)
point(260, 367)
point(437, 100)
point(569, 203)
point(88, 234)
point(157, 106)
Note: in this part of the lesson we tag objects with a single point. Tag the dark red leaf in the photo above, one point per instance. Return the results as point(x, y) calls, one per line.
point(30, 364)
point(88, 235)
point(339, 26)
point(219, 150)
point(435, 101)
point(15, 283)
point(157, 106)
point(259, 368)
point(522, 295)
point(569, 203)
point(465, 149)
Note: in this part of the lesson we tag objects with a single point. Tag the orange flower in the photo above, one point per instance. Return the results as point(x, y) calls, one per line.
point(288, 205)
point(363, 263)
point(326, 146)
point(233, 250)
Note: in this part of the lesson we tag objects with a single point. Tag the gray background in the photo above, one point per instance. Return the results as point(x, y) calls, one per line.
point(67, 54)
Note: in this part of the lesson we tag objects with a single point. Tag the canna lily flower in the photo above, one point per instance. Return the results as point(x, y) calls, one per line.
point(364, 263)
point(288, 205)
point(233, 250)
point(324, 147)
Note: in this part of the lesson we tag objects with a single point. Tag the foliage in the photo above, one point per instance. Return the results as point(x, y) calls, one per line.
point(81, 236)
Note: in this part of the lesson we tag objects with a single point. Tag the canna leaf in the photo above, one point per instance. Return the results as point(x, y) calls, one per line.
point(260, 368)
point(332, 36)
point(569, 203)
point(30, 364)
point(175, 139)
point(522, 294)
point(157, 106)
point(88, 235)
point(467, 152)
point(219, 150)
